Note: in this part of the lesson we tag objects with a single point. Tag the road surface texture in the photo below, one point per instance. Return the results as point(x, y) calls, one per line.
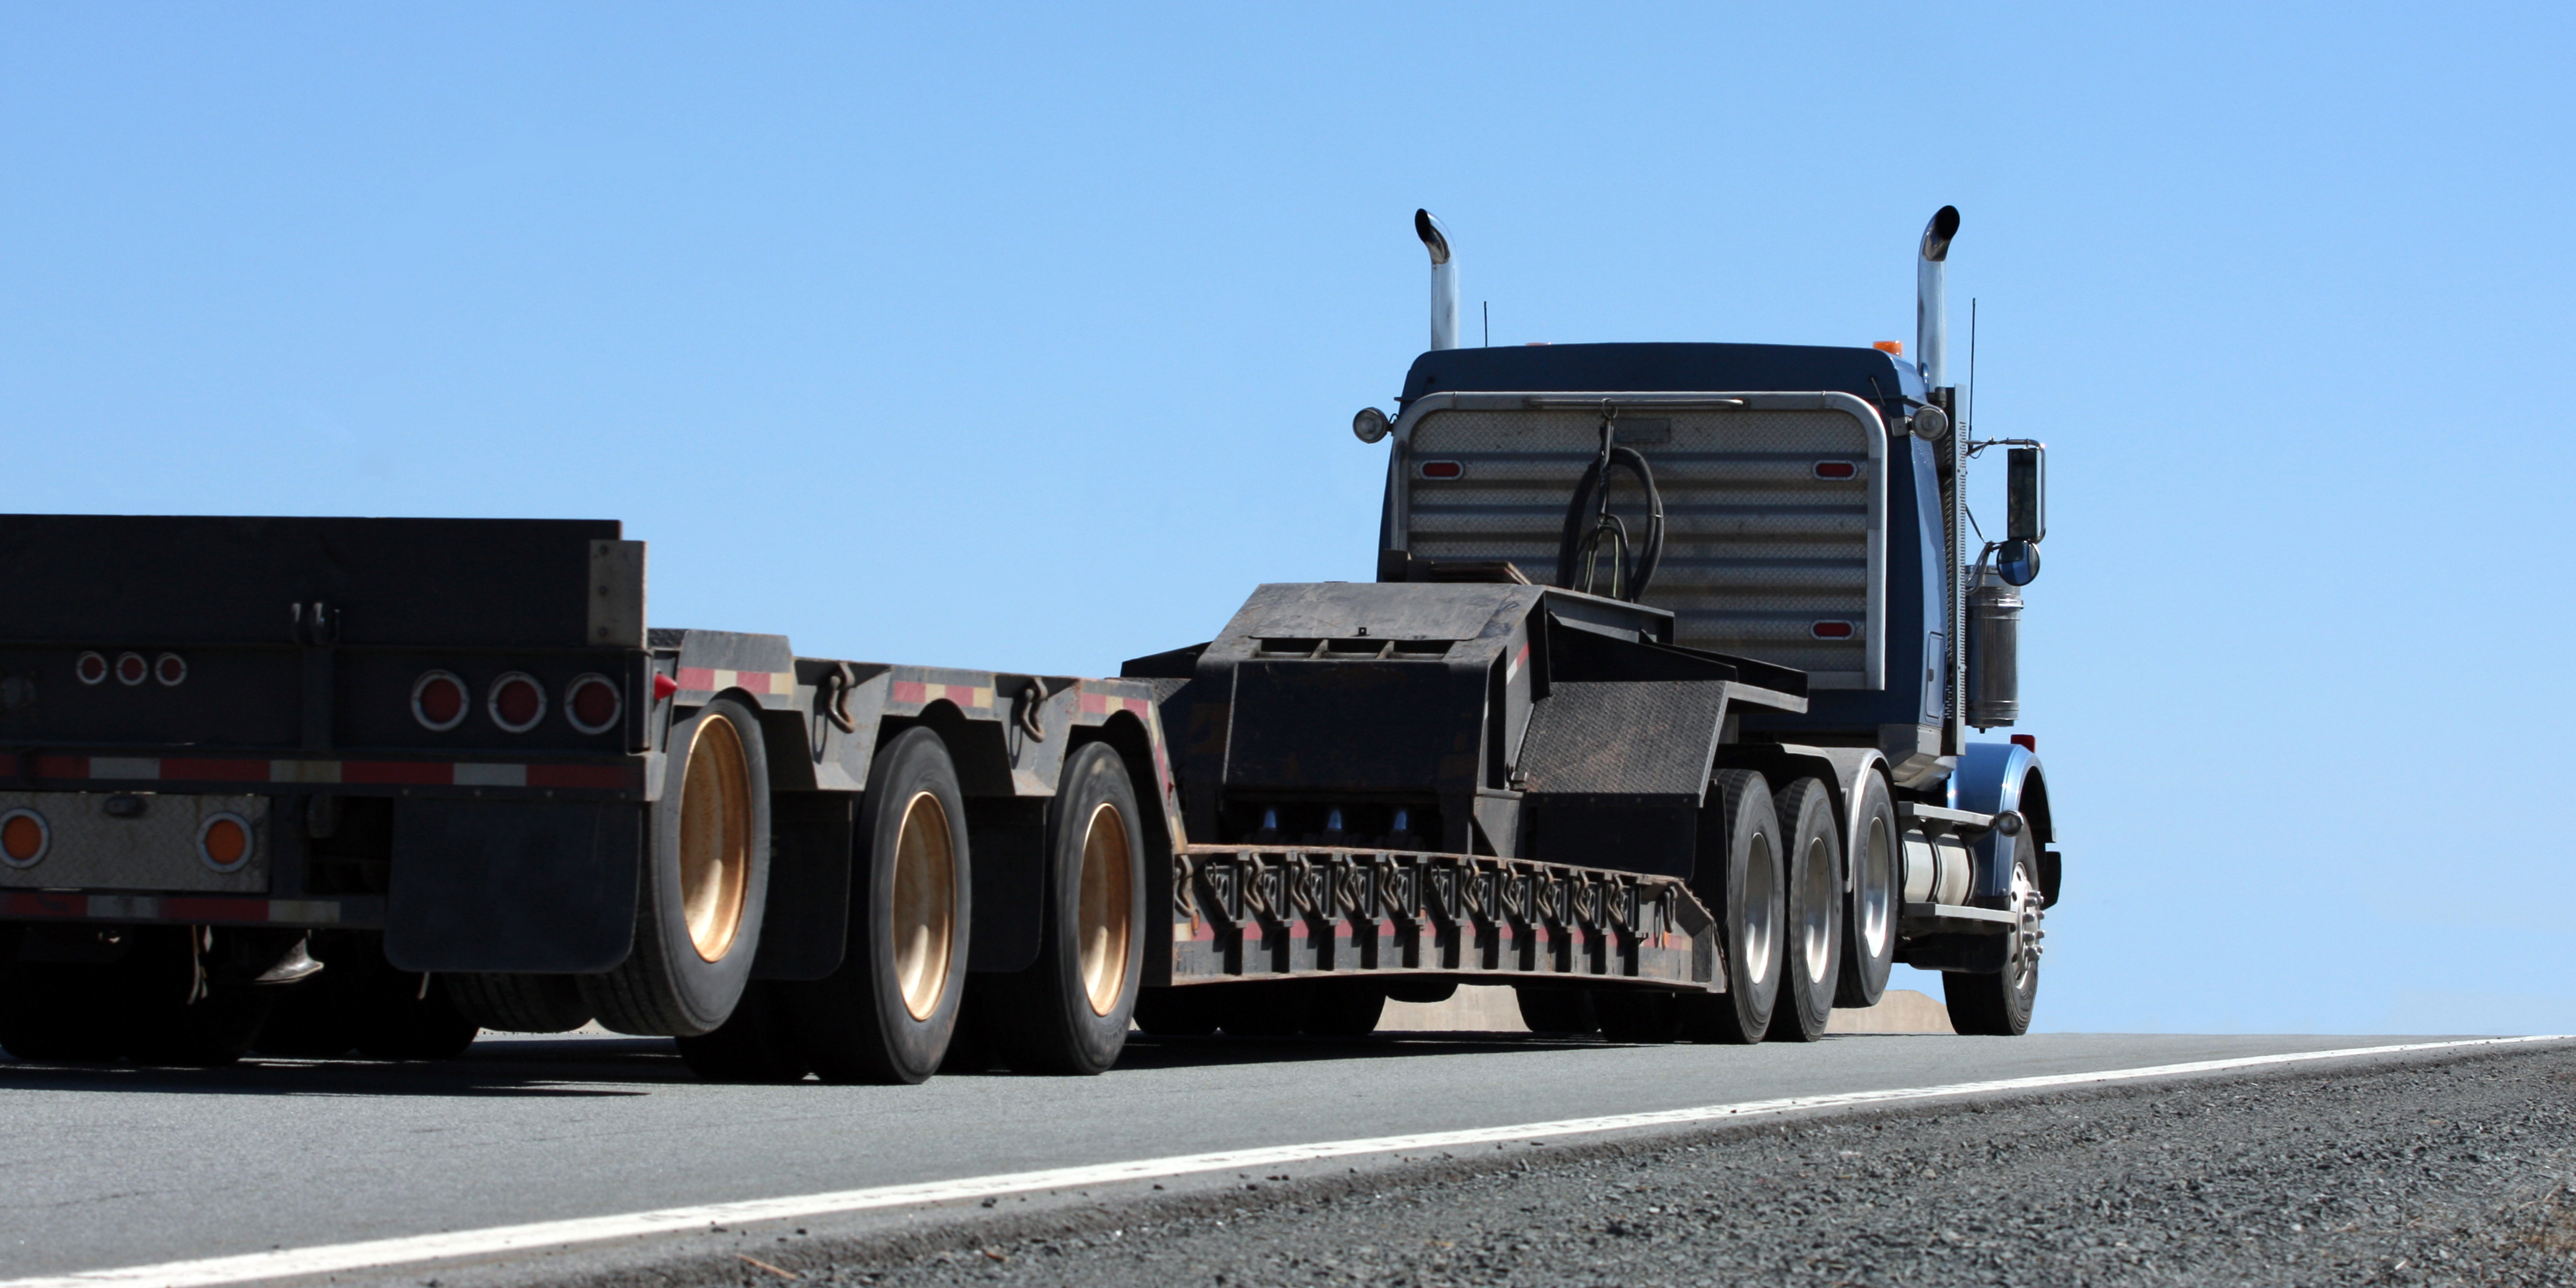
point(2422, 1168)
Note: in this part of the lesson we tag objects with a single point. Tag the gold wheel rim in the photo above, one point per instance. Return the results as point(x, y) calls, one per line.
point(925, 904)
point(715, 837)
point(1106, 908)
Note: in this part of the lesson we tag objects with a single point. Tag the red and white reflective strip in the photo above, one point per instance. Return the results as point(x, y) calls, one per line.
point(1103, 704)
point(192, 908)
point(702, 679)
point(364, 773)
point(917, 693)
point(1513, 671)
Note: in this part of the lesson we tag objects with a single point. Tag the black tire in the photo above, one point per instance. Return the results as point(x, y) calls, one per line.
point(58, 1012)
point(1739, 875)
point(307, 1022)
point(1551, 1009)
point(2000, 1004)
point(705, 883)
point(165, 1012)
point(1178, 1012)
point(1874, 856)
point(1811, 865)
point(1068, 1013)
point(520, 1003)
point(1270, 1008)
point(402, 1016)
point(756, 1044)
point(863, 1023)
point(1344, 1008)
point(1638, 1015)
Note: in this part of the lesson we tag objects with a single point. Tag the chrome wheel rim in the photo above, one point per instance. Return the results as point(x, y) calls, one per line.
point(1761, 912)
point(925, 904)
point(1105, 909)
point(1816, 910)
point(2026, 932)
point(1877, 892)
point(715, 837)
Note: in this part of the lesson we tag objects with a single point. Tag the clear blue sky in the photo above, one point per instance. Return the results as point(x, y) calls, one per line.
point(1030, 338)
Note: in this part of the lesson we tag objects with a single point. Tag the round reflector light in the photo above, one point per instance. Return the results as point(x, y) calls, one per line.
point(1837, 470)
point(1442, 470)
point(132, 669)
point(24, 838)
point(593, 704)
point(1832, 630)
point(517, 702)
point(91, 668)
point(223, 841)
point(438, 701)
point(170, 669)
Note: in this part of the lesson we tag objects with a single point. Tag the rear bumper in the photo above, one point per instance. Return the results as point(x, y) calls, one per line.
point(354, 912)
point(622, 777)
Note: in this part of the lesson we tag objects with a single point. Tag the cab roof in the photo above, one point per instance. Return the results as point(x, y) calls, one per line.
point(1656, 368)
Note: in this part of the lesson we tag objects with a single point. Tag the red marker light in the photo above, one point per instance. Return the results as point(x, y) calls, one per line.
point(91, 668)
point(2027, 742)
point(1443, 470)
point(1831, 630)
point(592, 704)
point(1836, 470)
point(438, 701)
point(517, 703)
point(132, 669)
point(170, 669)
point(664, 686)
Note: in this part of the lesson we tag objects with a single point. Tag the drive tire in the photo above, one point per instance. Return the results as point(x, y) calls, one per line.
point(1068, 1013)
point(888, 1013)
point(1811, 865)
point(1344, 1008)
point(755, 1044)
point(705, 883)
point(520, 1003)
point(2000, 1004)
point(1739, 875)
point(1875, 855)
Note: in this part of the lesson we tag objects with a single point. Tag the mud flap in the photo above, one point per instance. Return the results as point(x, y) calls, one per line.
point(535, 886)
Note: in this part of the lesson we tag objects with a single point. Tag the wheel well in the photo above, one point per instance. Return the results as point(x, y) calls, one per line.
point(2034, 807)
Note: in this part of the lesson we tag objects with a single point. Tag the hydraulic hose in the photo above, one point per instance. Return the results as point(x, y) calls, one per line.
point(1589, 525)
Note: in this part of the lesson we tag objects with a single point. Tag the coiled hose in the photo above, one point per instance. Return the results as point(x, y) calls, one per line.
point(1590, 526)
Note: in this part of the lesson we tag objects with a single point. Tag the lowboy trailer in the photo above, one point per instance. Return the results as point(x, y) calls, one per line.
point(315, 786)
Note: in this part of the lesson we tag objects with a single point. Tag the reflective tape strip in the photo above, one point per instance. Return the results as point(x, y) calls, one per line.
point(922, 693)
point(703, 679)
point(184, 908)
point(369, 773)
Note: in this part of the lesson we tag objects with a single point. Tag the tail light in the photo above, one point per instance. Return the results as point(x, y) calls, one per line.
point(1837, 470)
point(439, 701)
point(223, 841)
point(91, 668)
point(170, 669)
point(1442, 469)
point(593, 704)
point(1831, 630)
point(517, 703)
point(24, 838)
point(131, 669)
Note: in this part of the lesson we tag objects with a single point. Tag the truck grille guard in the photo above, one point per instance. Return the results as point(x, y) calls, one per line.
point(1267, 912)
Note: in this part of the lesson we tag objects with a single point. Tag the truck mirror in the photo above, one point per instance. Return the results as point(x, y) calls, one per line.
point(2026, 497)
point(2017, 562)
point(1370, 425)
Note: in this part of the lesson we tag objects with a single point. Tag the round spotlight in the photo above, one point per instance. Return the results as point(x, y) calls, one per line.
point(517, 702)
point(1371, 424)
point(224, 841)
point(1931, 424)
point(439, 701)
point(593, 703)
point(24, 838)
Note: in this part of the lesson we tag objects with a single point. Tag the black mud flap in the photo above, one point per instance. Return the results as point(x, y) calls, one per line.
point(536, 886)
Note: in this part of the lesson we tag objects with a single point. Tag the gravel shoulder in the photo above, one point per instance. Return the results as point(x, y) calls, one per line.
point(2426, 1171)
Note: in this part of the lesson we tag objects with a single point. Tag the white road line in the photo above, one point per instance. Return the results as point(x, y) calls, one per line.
point(375, 1253)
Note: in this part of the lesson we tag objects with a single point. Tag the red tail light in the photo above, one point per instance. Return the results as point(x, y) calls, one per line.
point(223, 841)
point(438, 701)
point(518, 702)
point(1831, 630)
point(24, 838)
point(1442, 470)
point(593, 704)
point(91, 668)
point(170, 669)
point(131, 669)
point(1837, 470)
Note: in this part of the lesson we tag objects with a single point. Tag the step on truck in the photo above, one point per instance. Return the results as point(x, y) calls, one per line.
point(1627, 721)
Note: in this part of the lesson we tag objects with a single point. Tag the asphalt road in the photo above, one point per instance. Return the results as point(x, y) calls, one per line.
point(111, 1167)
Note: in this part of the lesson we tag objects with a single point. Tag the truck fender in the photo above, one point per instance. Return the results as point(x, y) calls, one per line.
point(1993, 777)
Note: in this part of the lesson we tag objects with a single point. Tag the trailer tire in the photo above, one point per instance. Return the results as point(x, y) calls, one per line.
point(1344, 1008)
point(1638, 1016)
point(1999, 1004)
point(1811, 864)
point(520, 1003)
point(1875, 856)
point(402, 1016)
point(1548, 1008)
point(1268, 1008)
point(755, 1044)
point(706, 879)
point(1068, 1013)
point(1740, 875)
point(889, 1012)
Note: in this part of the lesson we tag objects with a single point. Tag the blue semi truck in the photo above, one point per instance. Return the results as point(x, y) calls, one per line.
point(1657, 711)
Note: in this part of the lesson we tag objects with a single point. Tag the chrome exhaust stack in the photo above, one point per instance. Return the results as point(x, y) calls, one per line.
point(1932, 299)
point(1444, 280)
